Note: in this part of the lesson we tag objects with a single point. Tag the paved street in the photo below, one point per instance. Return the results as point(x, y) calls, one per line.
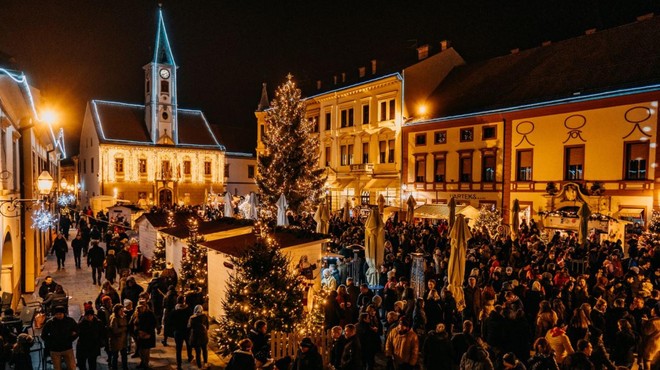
point(78, 285)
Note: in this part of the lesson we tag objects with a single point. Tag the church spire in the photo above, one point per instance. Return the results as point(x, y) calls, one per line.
point(162, 50)
point(263, 102)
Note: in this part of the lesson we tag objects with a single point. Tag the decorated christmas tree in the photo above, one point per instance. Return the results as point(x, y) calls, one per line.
point(314, 317)
point(654, 225)
point(489, 218)
point(262, 287)
point(158, 261)
point(194, 263)
point(289, 164)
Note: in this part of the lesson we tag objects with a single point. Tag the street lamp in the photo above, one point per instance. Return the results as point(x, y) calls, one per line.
point(44, 186)
point(64, 184)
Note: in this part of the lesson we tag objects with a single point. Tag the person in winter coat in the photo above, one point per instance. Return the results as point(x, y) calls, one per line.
point(369, 339)
point(131, 290)
point(511, 362)
point(60, 248)
point(650, 348)
point(95, 258)
point(157, 290)
point(402, 346)
point(118, 333)
point(47, 286)
point(178, 324)
point(351, 356)
point(145, 329)
point(92, 336)
point(462, 341)
point(437, 352)
point(20, 355)
point(476, 358)
point(308, 357)
point(599, 356)
point(169, 303)
point(123, 261)
point(260, 341)
point(198, 324)
point(333, 312)
point(110, 266)
point(559, 342)
point(338, 343)
point(580, 360)
point(544, 358)
point(623, 352)
point(170, 275)
point(242, 358)
point(58, 334)
point(107, 290)
point(77, 244)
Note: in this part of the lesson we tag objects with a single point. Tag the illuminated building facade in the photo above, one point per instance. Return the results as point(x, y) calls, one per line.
point(28, 146)
point(579, 114)
point(153, 153)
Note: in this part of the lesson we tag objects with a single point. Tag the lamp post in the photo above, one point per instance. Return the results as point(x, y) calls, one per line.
point(44, 185)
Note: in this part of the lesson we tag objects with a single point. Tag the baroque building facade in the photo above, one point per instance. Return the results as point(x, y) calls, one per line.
point(153, 153)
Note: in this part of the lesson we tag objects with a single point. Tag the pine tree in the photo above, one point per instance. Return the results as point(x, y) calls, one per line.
point(289, 164)
point(194, 263)
point(158, 262)
point(654, 225)
point(314, 317)
point(489, 217)
point(262, 288)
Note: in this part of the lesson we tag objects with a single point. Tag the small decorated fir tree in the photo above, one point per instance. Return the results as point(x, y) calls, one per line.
point(654, 225)
point(312, 323)
point(158, 262)
point(290, 161)
point(194, 263)
point(490, 218)
point(262, 287)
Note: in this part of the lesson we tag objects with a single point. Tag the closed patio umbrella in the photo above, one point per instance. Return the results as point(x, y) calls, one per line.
point(282, 205)
point(459, 236)
point(229, 208)
point(452, 212)
point(325, 217)
point(583, 231)
point(346, 213)
point(410, 211)
point(515, 218)
point(374, 240)
point(381, 204)
point(253, 214)
point(318, 215)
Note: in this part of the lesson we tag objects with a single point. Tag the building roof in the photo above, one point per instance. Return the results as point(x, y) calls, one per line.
point(621, 57)
point(124, 123)
point(162, 50)
point(235, 245)
point(210, 227)
point(160, 219)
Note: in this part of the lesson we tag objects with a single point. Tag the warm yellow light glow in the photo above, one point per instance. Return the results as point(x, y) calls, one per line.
point(114, 193)
point(63, 184)
point(49, 116)
point(45, 183)
point(422, 109)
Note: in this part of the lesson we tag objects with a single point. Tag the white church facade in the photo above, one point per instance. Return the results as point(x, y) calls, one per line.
point(153, 153)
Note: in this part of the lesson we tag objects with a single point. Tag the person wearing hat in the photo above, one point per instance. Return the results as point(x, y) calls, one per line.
point(92, 336)
point(242, 358)
point(402, 346)
point(58, 334)
point(308, 356)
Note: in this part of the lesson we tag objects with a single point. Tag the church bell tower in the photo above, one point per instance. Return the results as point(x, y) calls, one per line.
point(160, 90)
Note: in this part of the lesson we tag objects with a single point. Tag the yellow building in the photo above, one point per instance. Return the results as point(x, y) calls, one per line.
point(28, 146)
point(153, 153)
point(580, 114)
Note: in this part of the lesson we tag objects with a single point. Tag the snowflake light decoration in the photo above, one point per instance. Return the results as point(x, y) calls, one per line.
point(42, 219)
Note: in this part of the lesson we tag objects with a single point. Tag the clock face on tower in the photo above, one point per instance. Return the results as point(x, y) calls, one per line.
point(164, 73)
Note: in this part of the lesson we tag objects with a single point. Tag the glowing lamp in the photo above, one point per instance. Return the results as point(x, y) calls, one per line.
point(422, 109)
point(49, 116)
point(64, 183)
point(45, 183)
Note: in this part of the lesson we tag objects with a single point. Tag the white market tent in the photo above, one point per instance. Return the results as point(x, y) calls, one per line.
point(441, 211)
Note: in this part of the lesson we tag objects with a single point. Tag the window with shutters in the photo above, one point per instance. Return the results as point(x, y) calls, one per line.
point(574, 162)
point(439, 168)
point(465, 166)
point(488, 167)
point(637, 155)
point(524, 164)
point(420, 168)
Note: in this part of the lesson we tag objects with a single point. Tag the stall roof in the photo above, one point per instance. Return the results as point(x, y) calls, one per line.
point(441, 211)
point(235, 245)
point(210, 227)
point(132, 207)
point(159, 219)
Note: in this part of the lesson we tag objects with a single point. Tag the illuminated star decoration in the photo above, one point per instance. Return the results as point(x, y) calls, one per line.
point(42, 219)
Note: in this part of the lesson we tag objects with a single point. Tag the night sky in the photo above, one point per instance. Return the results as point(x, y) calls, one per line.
point(77, 50)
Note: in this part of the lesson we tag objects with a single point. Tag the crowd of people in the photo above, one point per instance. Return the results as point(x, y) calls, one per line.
point(534, 302)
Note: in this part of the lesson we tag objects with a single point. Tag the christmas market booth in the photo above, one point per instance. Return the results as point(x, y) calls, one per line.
point(176, 238)
point(125, 212)
point(442, 212)
point(299, 247)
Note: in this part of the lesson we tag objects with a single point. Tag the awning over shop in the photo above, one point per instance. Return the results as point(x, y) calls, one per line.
point(629, 213)
point(379, 183)
point(341, 184)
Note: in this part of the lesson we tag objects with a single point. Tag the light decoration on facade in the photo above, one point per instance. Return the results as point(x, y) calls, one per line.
point(66, 199)
point(43, 220)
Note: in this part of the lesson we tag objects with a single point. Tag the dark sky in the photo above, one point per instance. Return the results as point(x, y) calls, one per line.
point(76, 50)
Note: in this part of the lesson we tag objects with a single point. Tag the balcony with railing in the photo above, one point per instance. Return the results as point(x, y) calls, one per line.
point(362, 168)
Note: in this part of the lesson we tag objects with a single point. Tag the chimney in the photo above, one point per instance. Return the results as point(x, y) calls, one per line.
point(515, 51)
point(343, 77)
point(444, 45)
point(546, 43)
point(590, 31)
point(334, 78)
point(362, 71)
point(423, 52)
point(645, 17)
point(318, 84)
point(373, 66)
